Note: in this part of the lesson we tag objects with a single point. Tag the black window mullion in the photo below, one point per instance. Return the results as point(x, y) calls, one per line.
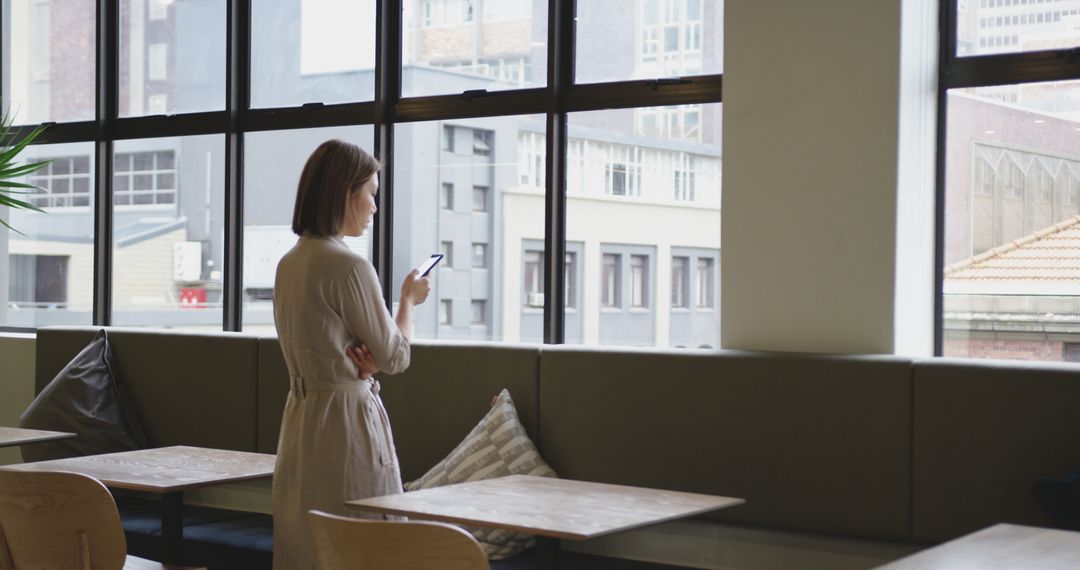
point(237, 90)
point(946, 55)
point(107, 109)
point(560, 79)
point(387, 94)
point(1010, 68)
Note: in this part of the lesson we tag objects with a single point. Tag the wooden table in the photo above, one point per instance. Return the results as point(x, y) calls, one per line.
point(1002, 546)
point(167, 471)
point(552, 509)
point(10, 436)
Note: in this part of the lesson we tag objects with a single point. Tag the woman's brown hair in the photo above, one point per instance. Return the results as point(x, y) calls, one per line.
point(332, 173)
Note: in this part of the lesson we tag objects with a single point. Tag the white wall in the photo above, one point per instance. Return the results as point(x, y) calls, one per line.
point(811, 146)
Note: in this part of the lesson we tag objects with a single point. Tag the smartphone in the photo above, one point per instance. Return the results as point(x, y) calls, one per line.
point(429, 264)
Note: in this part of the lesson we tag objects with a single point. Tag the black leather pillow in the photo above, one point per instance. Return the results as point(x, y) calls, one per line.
point(86, 398)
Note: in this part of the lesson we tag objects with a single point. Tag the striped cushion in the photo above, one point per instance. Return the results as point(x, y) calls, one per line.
point(496, 447)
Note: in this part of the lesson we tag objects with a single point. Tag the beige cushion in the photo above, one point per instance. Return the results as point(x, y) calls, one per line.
point(496, 447)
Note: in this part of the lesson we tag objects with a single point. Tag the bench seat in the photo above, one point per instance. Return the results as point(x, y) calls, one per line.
point(215, 538)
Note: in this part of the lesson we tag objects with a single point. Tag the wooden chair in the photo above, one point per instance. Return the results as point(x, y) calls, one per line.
point(343, 543)
point(62, 520)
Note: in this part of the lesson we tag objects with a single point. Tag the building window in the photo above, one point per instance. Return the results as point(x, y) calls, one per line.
point(1072, 191)
point(446, 311)
point(65, 182)
point(158, 62)
point(531, 154)
point(157, 104)
point(480, 198)
point(144, 178)
point(680, 281)
point(479, 307)
point(639, 281)
point(448, 253)
point(609, 281)
point(533, 279)
point(448, 138)
point(446, 196)
point(479, 255)
point(1013, 180)
point(38, 280)
point(684, 178)
point(159, 9)
point(616, 179)
point(705, 298)
point(482, 142)
point(622, 172)
point(446, 12)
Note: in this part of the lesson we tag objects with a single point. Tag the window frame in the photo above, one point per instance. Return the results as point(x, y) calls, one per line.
point(969, 71)
point(560, 96)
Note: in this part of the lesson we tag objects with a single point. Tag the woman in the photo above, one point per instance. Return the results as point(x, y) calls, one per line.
point(335, 443)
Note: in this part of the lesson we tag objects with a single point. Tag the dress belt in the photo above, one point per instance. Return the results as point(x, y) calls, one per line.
point(301, 385)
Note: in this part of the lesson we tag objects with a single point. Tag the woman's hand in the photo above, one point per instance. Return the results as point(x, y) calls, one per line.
point(364, 361)
point(414, 288)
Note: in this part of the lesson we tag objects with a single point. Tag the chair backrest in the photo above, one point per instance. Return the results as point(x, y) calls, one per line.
point(343, 543)
point(58, 520)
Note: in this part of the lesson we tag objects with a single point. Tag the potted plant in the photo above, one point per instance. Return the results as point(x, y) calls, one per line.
point(11, 144)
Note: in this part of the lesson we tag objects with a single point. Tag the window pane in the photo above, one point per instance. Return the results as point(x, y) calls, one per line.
point(450, 46)
point(50, 59)
point(480, 198)
point(167, 241)
point(619, 40)
point(447, 249)
point(312, 51)
point(50, 264)
point(274, 160)
point(487, 246)
point(478, 310)
point(1009, 26)
point(1011, 232)
point(479, 255)
point(680, 269)
point(637, 198)
point(172, 57)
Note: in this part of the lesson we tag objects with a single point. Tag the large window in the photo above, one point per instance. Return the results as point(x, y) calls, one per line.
point(188, 147)
point(1011, 180)
point(273, 161)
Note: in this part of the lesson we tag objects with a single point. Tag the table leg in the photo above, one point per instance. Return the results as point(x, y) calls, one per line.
point(547, 553)
point(172, 526)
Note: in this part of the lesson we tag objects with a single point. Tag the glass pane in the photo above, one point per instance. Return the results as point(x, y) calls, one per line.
point(643, 210)
point(1012, 235)
point(50, 264)
point(172, 57)
point(274, 160)
point(312, 51)
point(620, 40)
point(50, 58)
point(450, 46)
point(483, 248)
point(1008, 26)
point(168, 231)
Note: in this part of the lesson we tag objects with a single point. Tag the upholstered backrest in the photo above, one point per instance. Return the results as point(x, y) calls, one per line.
point(188, 388)
point(984, 432)
point(813, 443)
point(432, 405)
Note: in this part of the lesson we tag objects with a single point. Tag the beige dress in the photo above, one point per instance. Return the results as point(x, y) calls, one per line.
point(335, 442)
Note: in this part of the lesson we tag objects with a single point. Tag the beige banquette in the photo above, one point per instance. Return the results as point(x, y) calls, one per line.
point(879, 448)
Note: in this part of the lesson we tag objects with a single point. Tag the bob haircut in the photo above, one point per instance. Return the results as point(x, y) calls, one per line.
point(335, 171)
